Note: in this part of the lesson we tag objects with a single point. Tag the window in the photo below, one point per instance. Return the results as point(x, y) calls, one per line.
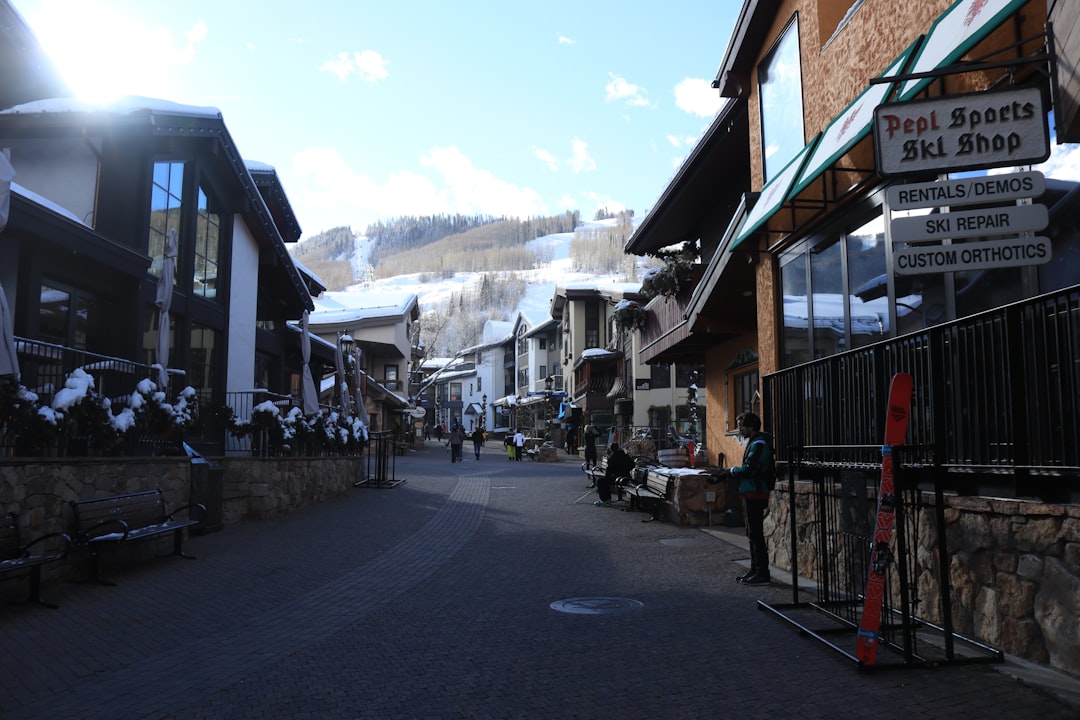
point(543, 371)
point(742, 386)
point(166, 210)
point(202, 366)
point(866, 283)
point(659, 417)
point(827, 300)
point(780, 92)
point(69, 317)
point(686, 375)
point(659, 376)
point(592, 324)
point(207, 248)
point(390, 375)
point(543, 343)
point(455, 392)
point(795, 336)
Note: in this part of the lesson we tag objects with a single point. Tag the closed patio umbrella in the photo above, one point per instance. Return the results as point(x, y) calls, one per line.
point(164, 302)
point(339, 376)
point(309, 395)
point(9, 360)
point(361, 410)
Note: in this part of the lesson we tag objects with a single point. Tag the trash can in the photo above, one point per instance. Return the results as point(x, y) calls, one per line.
point(207, 489)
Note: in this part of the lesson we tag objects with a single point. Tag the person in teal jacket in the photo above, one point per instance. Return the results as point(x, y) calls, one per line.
point(756, 477)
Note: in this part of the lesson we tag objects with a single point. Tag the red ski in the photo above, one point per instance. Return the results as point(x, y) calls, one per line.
point(880, 553)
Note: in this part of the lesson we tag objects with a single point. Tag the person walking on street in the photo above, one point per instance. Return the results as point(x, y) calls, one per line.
point(590, 446)
point(619, 464)
point(519, 444)
point(457, 440)
point(756, 477)
point(477, 441)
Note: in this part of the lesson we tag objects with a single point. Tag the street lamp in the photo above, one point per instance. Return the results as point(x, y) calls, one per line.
point(483, 412)
point(549, 382)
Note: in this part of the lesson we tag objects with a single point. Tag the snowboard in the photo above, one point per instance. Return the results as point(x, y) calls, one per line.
point(896, 423)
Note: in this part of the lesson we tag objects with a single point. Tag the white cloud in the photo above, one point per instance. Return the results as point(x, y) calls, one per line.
point(326, 192)
point(581, 160)
point(469, 189)
point(545, 157)
point(368, 65)
point(621, 90)
point(697, 97)
point(563, 40)
point(1063, 164)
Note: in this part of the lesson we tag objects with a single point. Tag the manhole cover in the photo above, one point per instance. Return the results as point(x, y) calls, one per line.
point(680, 542)
point(596, 605)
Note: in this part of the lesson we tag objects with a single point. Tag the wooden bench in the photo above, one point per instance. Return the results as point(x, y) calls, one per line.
point(16, 557)
point(634, 487)
point(113, 521)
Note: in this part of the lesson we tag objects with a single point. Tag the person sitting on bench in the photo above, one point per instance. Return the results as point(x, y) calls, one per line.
point(619, 464)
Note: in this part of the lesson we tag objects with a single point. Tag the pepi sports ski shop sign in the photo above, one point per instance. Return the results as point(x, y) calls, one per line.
point(961, 132)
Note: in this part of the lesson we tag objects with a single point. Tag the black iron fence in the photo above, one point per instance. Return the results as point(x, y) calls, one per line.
point(996, 399)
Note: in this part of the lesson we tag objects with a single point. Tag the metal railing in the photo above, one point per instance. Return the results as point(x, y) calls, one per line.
point(996, 395)
point(44, 369)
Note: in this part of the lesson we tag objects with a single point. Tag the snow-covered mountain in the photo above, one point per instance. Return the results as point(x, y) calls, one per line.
point(542, 281)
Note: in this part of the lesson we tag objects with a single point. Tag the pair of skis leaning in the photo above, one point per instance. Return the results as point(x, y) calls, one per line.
point(881, 556)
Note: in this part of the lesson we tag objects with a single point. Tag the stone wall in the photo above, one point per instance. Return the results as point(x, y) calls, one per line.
point(40, 491)
point(1014, 568)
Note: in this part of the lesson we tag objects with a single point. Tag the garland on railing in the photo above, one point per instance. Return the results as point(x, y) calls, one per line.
point(78, 411)
point(293, 432)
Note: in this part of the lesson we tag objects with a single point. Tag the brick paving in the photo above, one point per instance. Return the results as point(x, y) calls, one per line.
point(432, 600)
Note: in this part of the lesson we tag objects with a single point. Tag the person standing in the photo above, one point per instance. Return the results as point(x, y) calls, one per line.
point(590, 446)
point(756, 477)
point(519, 444)
point(572, 440)
point(457, 440)
point(477, 441)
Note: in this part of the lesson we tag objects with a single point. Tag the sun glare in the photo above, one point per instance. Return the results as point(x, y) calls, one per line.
point(102, 53)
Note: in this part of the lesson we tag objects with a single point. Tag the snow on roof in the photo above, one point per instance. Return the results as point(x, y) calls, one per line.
point(120, 106)
point(342, 307)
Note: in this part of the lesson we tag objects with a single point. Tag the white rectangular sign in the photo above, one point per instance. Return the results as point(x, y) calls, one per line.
point(966, 191)
point(961, 132)
point(1007, 220)
point(984, 255)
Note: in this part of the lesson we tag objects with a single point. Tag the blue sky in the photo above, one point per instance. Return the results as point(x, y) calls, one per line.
point(372, 110)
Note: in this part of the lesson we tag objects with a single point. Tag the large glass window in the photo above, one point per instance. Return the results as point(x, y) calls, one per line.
point(867, 303)
point(827, 281)
point(166, 208)
point(795, 336)
point(207, 249)
point(780, 92)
